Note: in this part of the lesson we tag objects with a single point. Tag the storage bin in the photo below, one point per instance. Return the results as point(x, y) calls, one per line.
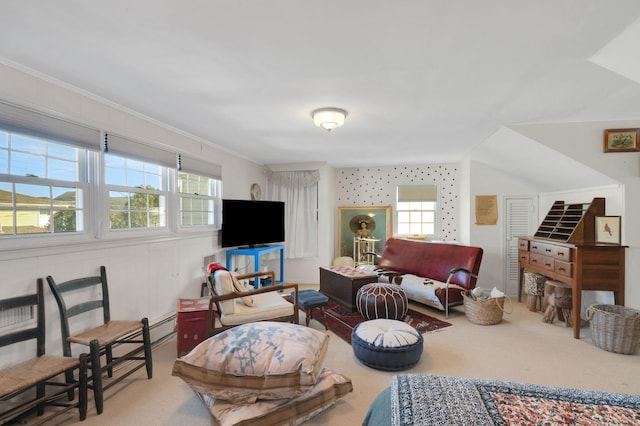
point(484, 311)
point(615, 328)
point(191, 323)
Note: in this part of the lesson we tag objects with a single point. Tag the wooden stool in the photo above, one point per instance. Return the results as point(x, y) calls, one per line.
point(558, 299)
point(534, 287)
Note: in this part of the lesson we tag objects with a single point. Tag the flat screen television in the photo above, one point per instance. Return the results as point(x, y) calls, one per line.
point(251, 223)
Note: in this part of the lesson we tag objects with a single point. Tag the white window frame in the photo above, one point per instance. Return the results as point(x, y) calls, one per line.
point(165, 191)
point(94, 204)
point(214, 197)
point(413, 198)
point(82, 183)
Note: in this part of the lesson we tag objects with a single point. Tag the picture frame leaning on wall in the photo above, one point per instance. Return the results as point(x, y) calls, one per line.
point(608, 229)
point(377, 226)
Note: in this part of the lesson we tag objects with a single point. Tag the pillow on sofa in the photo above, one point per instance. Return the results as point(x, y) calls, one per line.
point(261, 360)
point(328, 389)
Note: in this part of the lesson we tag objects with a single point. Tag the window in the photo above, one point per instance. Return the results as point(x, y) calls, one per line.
point(59, 177)
point(198, 198)
point(416, 208)
point(42, 186)
point(137, 193)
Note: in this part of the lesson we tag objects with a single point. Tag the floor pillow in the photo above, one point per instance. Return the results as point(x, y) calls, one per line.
point(261, 360)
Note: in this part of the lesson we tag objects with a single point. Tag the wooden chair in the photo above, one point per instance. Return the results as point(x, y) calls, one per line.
point(101, 339)
point(268, 303)
point(40, 374)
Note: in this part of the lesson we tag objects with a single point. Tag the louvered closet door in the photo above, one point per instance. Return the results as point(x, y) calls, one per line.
point(521, 221)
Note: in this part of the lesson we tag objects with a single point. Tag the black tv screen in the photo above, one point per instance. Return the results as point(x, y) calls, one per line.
point(252, 223)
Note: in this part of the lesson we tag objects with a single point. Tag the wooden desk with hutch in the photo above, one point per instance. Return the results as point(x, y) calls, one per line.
point(565, 250)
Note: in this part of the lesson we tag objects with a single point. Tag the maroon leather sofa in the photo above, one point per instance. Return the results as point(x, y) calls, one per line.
point(444, 262)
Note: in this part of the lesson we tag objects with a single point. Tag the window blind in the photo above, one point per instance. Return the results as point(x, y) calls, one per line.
point(125, 147)
point(200, 167)
point(18, 119)
point(409, 193)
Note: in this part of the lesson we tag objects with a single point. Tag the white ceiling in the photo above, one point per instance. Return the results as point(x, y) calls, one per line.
point(422, 80)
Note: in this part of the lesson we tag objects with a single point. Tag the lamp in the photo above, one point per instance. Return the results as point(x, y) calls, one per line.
point(328, 118)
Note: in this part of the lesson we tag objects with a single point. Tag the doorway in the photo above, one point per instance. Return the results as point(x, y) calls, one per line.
point(521, 221)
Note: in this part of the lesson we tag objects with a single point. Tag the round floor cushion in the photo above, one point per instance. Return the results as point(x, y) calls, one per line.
point(380, 300)
point(387, 344)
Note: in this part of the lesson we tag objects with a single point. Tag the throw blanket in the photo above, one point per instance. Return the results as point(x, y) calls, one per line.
point(418, 399)
point(215, 267)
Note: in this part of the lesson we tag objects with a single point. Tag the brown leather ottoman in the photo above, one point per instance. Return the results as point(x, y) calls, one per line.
point(380, 300)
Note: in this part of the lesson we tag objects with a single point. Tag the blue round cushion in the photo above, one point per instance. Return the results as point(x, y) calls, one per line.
point(387, 344)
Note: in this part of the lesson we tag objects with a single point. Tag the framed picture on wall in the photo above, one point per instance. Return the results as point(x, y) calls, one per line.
point(369, 222)
point(608, 229)
point(621, 140)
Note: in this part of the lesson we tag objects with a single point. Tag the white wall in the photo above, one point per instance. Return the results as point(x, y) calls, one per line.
point(487, 180)
point(631, 229)
point(584, 142)
point(376, 186)
point(613, 195)
point(146, 275)
point(579, 158)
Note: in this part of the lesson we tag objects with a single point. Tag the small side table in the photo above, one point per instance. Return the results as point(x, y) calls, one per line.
point(256, 252)
point(191, 323)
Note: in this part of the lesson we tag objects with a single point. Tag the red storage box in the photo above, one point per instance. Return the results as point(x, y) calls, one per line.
point(191, 323)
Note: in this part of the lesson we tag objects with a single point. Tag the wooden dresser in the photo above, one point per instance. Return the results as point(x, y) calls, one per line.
point(568, 253)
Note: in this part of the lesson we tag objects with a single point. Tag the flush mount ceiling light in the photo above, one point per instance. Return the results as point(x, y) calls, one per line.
point(328, 118)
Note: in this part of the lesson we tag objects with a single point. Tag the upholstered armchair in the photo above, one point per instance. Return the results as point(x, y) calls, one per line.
point(233, 304)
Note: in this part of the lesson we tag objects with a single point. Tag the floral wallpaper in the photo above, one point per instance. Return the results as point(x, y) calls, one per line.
point(376, 186)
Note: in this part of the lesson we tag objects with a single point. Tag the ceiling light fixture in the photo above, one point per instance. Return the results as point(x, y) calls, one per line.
point(328, 118)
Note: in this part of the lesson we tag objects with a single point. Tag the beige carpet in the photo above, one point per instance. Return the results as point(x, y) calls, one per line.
point(521, 348)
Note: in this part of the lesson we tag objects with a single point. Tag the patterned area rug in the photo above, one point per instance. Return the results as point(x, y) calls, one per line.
point(342, 321)
point(423, 399)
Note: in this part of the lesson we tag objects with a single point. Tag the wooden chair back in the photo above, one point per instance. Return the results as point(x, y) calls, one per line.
point(37, 331)
point(36, 381)
point(70, 309)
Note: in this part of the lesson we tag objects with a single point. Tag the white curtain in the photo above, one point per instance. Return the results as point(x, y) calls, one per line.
point(299, 191)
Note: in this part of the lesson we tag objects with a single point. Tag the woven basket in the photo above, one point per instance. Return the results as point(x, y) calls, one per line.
point(485, 311)
point(615, 328)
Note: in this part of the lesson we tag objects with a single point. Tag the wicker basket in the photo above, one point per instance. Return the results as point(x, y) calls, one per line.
point(615, 328)
point(484, 311)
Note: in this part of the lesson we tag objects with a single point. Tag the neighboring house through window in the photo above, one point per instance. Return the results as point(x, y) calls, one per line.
point(42, 186)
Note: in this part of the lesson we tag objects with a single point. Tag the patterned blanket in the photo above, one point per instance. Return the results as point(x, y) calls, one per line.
point(418, 399)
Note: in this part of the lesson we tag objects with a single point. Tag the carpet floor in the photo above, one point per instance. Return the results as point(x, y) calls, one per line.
point(521, 348)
